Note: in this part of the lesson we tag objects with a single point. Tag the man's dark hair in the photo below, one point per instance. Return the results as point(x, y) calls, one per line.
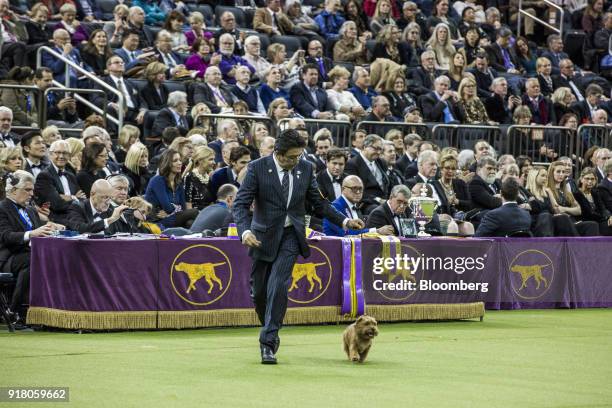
point(306, 67)
point(169, 134)
point(504, 32)
point(226, 190)
point(465, 10)
point(26, 139)
point(411, 138)
point(38, 74)
point(336, 153)
point(288, 139)
point(510, 189)
point(593, 89)
point(128, 32)
point(482, 55)
point(237, 152)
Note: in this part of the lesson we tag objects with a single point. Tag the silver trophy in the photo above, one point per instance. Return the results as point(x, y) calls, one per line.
point(423, 209)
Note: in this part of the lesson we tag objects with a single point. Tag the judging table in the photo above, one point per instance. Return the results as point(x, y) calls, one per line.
point(152, 283)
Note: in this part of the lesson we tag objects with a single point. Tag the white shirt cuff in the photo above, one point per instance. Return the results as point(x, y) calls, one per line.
point(243, 234)
point(26, 236)
point(346, 220)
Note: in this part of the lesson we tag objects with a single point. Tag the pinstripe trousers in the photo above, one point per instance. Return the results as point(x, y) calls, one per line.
point(270, 284)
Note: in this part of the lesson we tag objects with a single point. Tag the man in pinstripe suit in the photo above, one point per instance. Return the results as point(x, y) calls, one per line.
point(280, 185)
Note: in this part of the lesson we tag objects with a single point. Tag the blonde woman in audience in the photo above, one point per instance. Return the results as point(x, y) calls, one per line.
point(201, 121)
point(440, 43)
point(196, 22)
point(128, 135)
point(50, 134)
point(396, 137)
point(257, 133)
point(136, 168)
point(114, 30)
point(183, 146)
point(473, 107)
point(197, 178)
point(278, 110)
point(76, 155)
point(290, 69)
point(11, 160)
point(562, 98)
point(383, 16)
point(342, 100)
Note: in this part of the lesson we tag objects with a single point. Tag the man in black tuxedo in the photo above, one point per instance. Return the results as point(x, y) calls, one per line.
point(484, 75)
point(372, 171)
point(483, 190)
point(316, 58)
point(601, 156)
point(586, 108)
point(389, 156)
point(423, 77)
point(500, 106)
point(441, 104)
point(174, 115)
point(96, 214)
point(7, 137)
point(57, 187)
point(330, 179)
point(428, 168)
point(381, 112)
point(18, 224)
point(280, 186)
point(411, 152)
point(567, 78)
point(211, 93)
point(35, 153)
point(132, 103)
point(508, 218)
point(322, 145)
point(308, 99)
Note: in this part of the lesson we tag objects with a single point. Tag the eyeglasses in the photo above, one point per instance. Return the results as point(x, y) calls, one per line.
point(377, 148)
point(118, 62)
point(355, 189)
point(60, 153)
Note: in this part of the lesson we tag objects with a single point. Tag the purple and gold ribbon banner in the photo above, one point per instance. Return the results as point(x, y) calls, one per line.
point(353, 299)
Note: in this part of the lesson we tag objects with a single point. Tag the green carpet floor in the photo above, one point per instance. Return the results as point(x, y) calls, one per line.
point(553, 358)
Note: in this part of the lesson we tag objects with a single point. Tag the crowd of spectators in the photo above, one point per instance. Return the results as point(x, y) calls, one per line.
point(170, 168)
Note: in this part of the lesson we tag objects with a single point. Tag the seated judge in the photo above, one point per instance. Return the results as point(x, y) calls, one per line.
point(395, 212)
point(508, 218)
point(348, 204)
point(96, 214)
point(55, 185)
point(219, 214)
point(18, 224)
point(482, 188)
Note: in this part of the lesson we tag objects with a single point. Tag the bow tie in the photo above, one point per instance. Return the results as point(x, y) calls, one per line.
point(354, 208)
point(61, 173)
point(337, 180)
point(36, 166)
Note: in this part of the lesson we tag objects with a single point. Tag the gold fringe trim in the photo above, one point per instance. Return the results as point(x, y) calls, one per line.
point(67, 319)
point(453, 311)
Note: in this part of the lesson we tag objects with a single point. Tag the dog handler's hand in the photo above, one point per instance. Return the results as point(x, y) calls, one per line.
point(250, 240)
point(355, 224)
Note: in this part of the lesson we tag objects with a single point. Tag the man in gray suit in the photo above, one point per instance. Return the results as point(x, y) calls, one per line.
point(280, 185)
point(217, 215)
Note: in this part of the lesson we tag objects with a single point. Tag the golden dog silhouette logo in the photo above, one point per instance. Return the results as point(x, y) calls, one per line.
point(201, 274)
point(403, 272)
point(310, 280)
point(531, 274)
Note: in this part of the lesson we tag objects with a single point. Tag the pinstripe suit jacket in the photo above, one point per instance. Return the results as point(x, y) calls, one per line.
point(262, 186)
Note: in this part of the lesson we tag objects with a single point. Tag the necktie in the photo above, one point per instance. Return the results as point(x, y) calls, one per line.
point(220, 97)
point(124, 91)
point(399, 226)
point(322, 68)
point(285, 186)
point(133, 54)
point(576, 90)
point(276, 25)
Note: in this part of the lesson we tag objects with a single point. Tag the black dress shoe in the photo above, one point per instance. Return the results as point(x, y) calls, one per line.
point(267, 355)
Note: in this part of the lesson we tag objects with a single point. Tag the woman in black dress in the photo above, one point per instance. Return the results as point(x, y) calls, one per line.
point(96, 52)
point(136, 168)
point(197, 178)
point(155, 93)
point(95, 157)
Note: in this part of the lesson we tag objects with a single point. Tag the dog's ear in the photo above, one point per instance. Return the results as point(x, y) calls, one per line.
point(360, 319)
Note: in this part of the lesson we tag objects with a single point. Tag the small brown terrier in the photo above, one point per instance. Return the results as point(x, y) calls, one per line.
point(358, 338)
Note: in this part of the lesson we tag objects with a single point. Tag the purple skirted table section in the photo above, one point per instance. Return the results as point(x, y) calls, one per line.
point(155, 283)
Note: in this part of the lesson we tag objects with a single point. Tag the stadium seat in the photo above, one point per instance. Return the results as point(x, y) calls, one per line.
point(176, 86)
point(138, 83)
point(249, 13)
point(107, 7)
point(147, 126)
point(241, 19)
point(573, 44)
point(291, 43)
point(7, 282)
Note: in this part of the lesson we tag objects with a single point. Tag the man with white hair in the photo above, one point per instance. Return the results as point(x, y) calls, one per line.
point(483, 190)
point(175, 114)
point(19, 223)
point(7, 137)
point(244, 92)
point(423, 77)
point(602, 156)
point(96, 214)
point(62, 46)
point(252, 55)
point(500, 106)
point(600, 117)
point(440, 105)
point(167, 56)
point(210, 92)
point(266, 147)
point(229, 60)
point(55, 187)
point(229, 26)
point(227, 131)
point(542, 112)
